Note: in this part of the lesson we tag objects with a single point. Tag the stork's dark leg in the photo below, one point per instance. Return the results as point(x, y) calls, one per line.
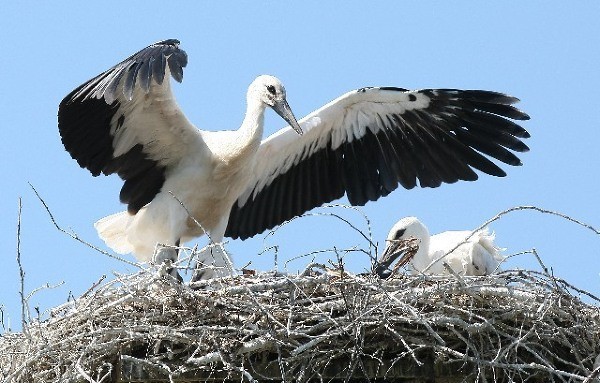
point(169, 255)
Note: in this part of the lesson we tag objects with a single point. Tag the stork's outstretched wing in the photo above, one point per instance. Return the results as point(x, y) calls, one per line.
point(367, 142)
point(126, 121)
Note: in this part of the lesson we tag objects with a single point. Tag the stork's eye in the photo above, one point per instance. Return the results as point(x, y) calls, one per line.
point(271, 89)
point(399, 234)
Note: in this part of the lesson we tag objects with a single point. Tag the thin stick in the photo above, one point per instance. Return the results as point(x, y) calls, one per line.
point(102, 278)
point(76, 237)
point(367, 237)
point(593, 375)
point(189, 213)
point(540, 210)
point(21, 270)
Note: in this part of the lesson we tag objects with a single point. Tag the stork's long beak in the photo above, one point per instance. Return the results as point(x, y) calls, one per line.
point(283, 109)
point(404, 248)
point(392, 248)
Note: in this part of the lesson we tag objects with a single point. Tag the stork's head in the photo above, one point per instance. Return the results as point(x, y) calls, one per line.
point(404, 230)
point(408, 227)
point(270, 91)
point(401, 243)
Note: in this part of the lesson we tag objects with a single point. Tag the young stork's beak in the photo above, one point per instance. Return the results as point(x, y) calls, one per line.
point(283, 109)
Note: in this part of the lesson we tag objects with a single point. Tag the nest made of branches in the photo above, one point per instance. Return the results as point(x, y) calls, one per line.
point(323, 325)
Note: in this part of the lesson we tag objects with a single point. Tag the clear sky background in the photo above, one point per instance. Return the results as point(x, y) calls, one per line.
point(547, 53)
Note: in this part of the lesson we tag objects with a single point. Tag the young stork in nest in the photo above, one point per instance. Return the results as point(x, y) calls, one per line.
point(363, 144)
point(477, 255)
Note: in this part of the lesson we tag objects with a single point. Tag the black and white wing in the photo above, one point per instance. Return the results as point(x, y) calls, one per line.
point(367, 142)
point(126, 121)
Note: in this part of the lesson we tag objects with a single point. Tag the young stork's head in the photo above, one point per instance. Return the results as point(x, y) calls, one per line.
point(270, 91)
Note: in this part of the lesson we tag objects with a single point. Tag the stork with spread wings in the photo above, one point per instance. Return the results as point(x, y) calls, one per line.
point(363, 144)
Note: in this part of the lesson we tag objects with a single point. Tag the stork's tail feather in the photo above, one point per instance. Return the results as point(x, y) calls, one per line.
point(113, 231)
point(486, 239)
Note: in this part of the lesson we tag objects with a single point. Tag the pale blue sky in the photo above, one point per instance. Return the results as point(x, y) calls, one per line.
point(547, 53)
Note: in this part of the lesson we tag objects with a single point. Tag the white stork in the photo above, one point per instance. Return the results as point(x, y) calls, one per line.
point(362, 144)
point(476, 256)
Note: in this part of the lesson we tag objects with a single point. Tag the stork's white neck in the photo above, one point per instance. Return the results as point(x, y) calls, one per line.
point(237, 148)
point(252, 127)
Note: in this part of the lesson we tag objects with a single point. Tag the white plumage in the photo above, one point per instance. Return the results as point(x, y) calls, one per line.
point(362, 144)
point(476, 256)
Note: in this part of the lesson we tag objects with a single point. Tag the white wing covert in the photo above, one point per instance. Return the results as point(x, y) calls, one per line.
point(126, 121)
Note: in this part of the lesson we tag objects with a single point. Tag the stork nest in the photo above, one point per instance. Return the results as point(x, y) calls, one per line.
point(323, 325)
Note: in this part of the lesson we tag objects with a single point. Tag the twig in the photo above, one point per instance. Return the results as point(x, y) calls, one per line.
point(24, 306)
point(593, 375)
point(189, 213)
point(82, 372)
point(2, 318)
point(367, 237)
point(275, 249)
point(76, 237)
point(540, 210)
point(94, 286)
